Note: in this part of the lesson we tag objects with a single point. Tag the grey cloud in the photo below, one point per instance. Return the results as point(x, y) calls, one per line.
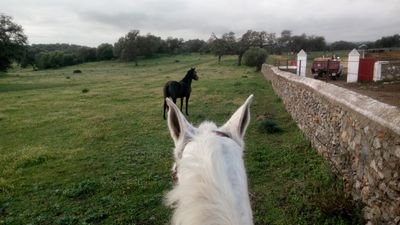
point(93, 22)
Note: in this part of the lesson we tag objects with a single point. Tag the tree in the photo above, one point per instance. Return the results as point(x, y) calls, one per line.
point(148, 45)
point(388, 42)
point(28, 57)
point(285, 41)
point(174, 45)
point(244, 43)
point(252, 38)
point(230, 43)
point(255, 56)
point(226, 45)
point(104, 52)
point(194, 45)
point(127, 48)
point(118, 47)
point(342, 45)
point(86, 54)
point(217, 46)
point(12, 42)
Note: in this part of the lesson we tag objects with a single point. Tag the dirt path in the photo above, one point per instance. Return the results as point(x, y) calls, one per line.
point(386, 92)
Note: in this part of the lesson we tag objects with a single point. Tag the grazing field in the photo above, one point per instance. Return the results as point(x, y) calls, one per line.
point(92, 148)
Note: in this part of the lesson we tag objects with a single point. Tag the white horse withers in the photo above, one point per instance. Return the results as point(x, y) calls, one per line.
point(211, 182)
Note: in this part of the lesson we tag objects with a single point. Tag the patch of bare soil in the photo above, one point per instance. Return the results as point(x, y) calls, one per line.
point(386, 92)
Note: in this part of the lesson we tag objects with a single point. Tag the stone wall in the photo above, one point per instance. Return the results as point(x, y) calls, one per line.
point(359, 136)
point(391, 71)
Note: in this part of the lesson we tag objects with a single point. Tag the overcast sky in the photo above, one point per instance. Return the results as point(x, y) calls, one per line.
point(92, 22)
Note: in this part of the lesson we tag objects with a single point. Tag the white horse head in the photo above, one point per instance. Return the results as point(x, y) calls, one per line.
point(211, 185)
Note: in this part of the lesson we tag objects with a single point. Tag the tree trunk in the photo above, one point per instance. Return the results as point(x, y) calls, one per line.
point(240, 59)
point(219, 59)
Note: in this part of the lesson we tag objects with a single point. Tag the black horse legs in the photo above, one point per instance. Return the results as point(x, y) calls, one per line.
point(187, 100)
point(174, 100)
point(181, 103)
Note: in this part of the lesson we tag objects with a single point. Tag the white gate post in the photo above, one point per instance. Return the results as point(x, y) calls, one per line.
point(301, 63)
point(352, 68)
point(378, 70)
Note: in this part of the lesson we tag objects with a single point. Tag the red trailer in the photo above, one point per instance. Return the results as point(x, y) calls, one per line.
point(321, 67)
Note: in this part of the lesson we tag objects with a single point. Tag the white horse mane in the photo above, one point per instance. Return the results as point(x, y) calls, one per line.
point(211, 183)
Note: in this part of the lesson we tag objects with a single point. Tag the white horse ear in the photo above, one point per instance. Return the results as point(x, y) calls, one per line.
point(179, 127)
point(236, 126)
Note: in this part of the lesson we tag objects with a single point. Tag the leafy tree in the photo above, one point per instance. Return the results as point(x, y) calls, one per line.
point(388, 42)
point(255, 56)
point(42, 60)
point(104, 52)
point(28, 57)
point(70, 59)
point(127, 48)
point(226, 45)
point(271, 43)
point(12, 41)
point(244, 43)
point(195, 45)
point(230, 43)
point(174, 45)
point(217, 46)
point(309, 43)
point(148, 45)
point(69, 48)
point(86, 54)
point(285, 41)
point(342, 45)
point(118, 47)
point(254, 39)
point(316, 43)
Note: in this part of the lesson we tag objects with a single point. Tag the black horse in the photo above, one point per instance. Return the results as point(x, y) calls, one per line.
point(181, 89)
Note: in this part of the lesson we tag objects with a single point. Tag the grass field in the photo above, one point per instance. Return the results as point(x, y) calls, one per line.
point(92, 148)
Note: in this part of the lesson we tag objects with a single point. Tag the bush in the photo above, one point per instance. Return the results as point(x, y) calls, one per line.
point(269, 126)
point(255, 57)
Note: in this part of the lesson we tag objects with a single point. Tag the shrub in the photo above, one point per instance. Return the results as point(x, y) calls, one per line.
point(269, 126)
point(255, 57)
point(77, 71)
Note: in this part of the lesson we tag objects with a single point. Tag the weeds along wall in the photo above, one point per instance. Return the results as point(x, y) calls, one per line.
point(358, 136)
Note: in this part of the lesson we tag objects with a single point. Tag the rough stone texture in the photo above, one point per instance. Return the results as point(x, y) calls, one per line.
point(359, 136)
point(391, 71)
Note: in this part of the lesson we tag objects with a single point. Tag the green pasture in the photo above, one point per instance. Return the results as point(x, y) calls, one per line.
point(93, 148)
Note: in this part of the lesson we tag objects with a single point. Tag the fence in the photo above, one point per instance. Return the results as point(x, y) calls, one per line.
point(354, 68)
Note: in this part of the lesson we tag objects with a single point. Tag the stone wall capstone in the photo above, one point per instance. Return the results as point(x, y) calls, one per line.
point(357, 135)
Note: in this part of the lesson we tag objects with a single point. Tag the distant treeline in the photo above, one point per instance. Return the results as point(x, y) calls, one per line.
point(128, 48)
point(134, 46)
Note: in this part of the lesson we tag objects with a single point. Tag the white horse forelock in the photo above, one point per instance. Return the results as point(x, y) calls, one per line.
point(212, 182)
